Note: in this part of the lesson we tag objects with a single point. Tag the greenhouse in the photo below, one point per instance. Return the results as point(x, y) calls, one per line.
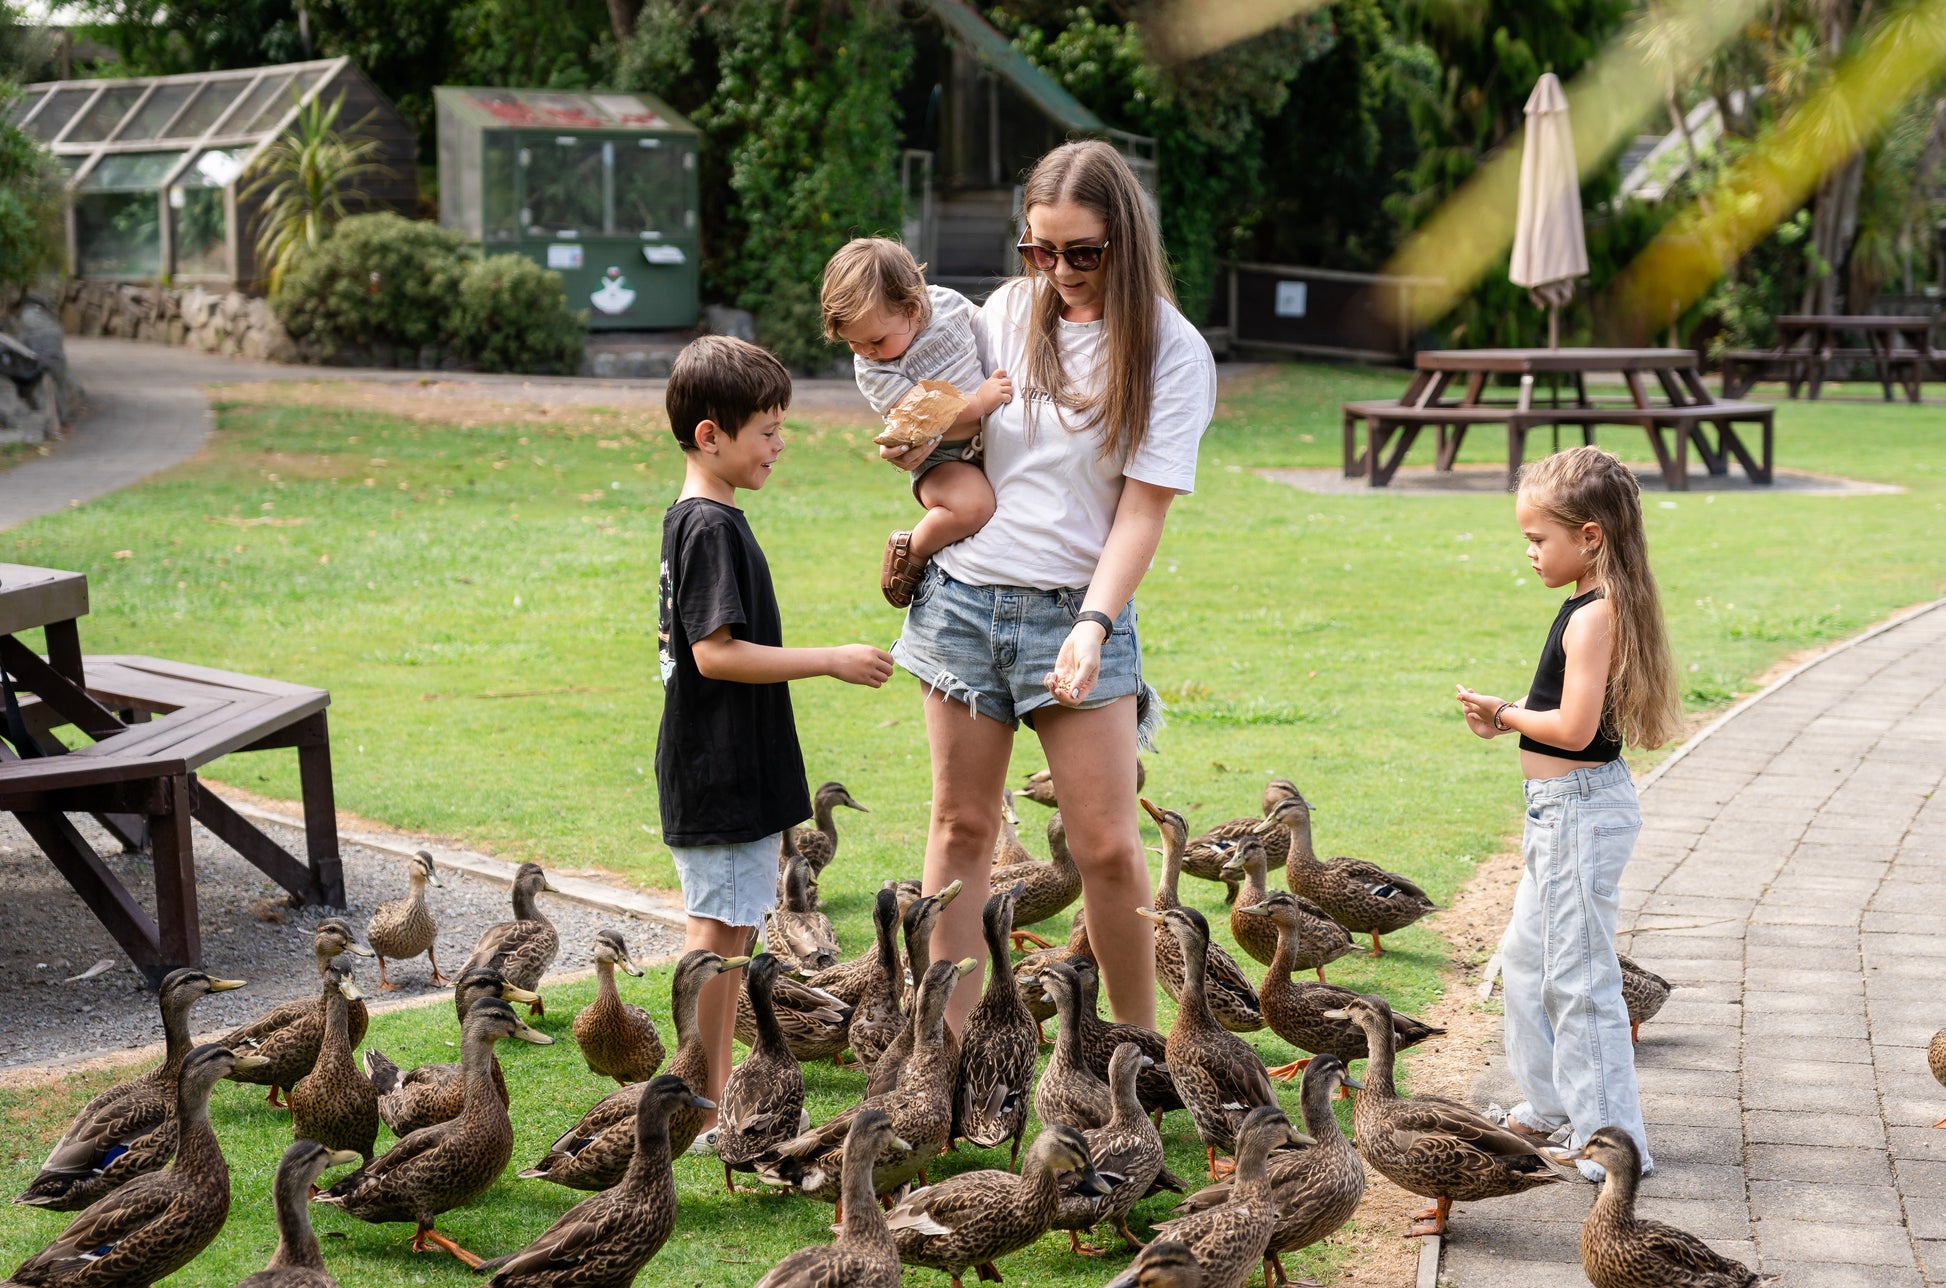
point(601, 188)
point(154, 164)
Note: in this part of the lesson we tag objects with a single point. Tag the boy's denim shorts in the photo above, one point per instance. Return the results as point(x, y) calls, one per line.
point(991, 647)
point(733, 884)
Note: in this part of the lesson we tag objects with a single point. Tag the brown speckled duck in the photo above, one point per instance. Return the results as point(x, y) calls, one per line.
point(1232, 1240)
point(1432, 1146)
point(819, 844)
point(1074, 950)
point(1217, 1074)
point(1165, 1263)
point(1127, 1152)
point(435, 1093)
point(1362, 897)
point(1643, 992)
point(1319, 940)
point(1204, 856)
point(1068, 1091)
point(1099, 1039)
point(130, 1129)
point(403, 928)
point(795, 930)
point(919, 920)
point(1051, 887)
point(998, 1047)
point(864, 1255)
point(298, 1262)
point(1936, 1061)
point(1622, 1250)
point(448, 1165)
point(157, 1223)
point(287, 1036)
point(1231, 996)
point(618, 1040)
point(521, 949)
point(875, 1016)
point(765, 1094)
point(334, 1104)
point(604, 1241)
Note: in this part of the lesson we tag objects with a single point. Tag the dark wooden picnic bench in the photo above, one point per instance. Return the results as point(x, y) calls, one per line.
point(152, 725)
point(1897, 349)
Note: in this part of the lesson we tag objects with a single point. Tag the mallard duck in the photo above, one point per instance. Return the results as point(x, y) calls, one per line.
point(921, 1109)
point(298, 1263)
point(1007, 848)
point(435, 1093)
point(875, 1015)
point(1205, 855)
point(765, 1094)
point(1316, 1189)
point(1099, 1039)
point(593, 1154)
point(521, 949)
point(1068, 1091)
point(1622, 1250)
point(1643, 992)
point(1165, 1263)
point(1050, 887)
point(976, 1218)
point(1319, 940)
point(334, 1104)
point(795, 930)
point(850, 981)
point(816, 1025)
point(155, 1224)
point(1297, 1010)
point(1217, 1074)
point(129, 1129)
point(1362, 897)
point(864, 1255)
point(919, 920)
point(1039, 787)
point(1127, 1152)
point(603, 1241)
point(1935, 1060)
point(1229, 1241)
point(1074, 951)
point(819, 844)
point(1430, 1145)
point(618, 1040)
point(404, 928)
point(998, 1046)
point(448, 1165)
point(288, 1034)
point(1232, 997)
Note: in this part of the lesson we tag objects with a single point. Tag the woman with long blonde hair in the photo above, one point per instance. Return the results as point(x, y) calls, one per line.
point(1605, 679)
point(1032, 618)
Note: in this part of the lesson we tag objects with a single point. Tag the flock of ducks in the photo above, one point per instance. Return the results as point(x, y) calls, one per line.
point(144, 1169)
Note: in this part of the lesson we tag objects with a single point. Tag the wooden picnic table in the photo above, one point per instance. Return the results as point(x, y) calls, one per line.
point(1683, 408)
point(1899, 349)
point(151, 725)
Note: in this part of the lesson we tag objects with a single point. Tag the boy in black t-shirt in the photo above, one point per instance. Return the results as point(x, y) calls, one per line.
point(727, 765)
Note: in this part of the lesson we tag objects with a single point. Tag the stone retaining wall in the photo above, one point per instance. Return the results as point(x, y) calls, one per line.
point(227, 322)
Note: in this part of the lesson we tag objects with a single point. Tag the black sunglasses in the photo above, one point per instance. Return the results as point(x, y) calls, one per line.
point(1082, 259)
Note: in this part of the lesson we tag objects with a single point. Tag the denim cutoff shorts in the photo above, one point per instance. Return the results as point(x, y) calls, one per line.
point(733, 884)
point(991, 647)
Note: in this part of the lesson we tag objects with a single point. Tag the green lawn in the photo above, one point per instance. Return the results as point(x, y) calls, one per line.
point(480, 603)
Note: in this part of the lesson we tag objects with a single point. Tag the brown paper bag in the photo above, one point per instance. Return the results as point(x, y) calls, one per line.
point(922, 415)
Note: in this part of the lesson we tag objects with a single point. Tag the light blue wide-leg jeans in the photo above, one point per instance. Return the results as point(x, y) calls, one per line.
point(1566, 1025)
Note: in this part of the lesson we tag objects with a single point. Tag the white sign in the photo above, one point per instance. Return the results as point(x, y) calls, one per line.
point(564, 256)
point(1291, 299)
point(663, 254)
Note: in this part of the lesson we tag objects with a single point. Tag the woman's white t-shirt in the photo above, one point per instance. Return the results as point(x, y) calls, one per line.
point(1055, 494)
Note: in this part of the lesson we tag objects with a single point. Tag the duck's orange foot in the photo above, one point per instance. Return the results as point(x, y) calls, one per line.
point(1431, 1220)
point(428, 1238)
point(1080, 1249)
point(1940, 1123)
point(1031, 938)
point(1219, 1167)
point(1285, 1072)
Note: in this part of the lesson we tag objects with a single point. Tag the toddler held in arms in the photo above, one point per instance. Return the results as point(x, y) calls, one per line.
point(909, 342)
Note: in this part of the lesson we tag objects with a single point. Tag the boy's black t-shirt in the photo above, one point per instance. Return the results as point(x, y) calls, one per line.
point(727, 764)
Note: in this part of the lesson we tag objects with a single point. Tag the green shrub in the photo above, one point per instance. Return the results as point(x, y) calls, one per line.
point(512, 315)
point(30, 205)
point(376, 280)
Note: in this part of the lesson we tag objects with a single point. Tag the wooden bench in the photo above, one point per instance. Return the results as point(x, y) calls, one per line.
point(1684, 423)
point(1383, 420)
point(1798, 368)
point(155, 724)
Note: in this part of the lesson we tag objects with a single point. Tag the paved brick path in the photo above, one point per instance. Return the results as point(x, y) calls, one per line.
point(1788, 878)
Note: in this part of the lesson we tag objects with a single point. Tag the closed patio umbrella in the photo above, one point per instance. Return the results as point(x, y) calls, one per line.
point(1550, 248)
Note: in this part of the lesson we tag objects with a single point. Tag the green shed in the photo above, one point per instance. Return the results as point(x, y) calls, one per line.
point(599, 187)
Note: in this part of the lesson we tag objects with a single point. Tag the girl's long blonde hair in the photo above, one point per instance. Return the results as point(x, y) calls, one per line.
point(1093, 174)
point(1588, 485)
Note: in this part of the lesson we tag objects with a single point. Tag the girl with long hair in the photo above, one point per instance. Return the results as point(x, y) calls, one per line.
point(1605, 679)
point(1032, 618)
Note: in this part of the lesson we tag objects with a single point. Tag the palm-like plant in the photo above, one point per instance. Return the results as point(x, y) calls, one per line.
point(308, 180)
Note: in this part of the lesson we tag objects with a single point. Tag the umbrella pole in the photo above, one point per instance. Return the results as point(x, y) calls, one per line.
point(1553, 326)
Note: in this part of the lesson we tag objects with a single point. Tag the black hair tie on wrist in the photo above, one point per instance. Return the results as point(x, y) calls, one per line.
point(1100, 619)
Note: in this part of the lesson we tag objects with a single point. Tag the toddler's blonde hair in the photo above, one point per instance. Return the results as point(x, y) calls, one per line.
point(869, 273)
point(1588, 485)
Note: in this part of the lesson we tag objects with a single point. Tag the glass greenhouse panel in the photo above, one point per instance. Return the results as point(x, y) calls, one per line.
point(156, 113)
point(651, 188)
point(18, 109)
point(564, 187)
point(60, 110)
point(198, 222)
point(269, 90)
point(500, 185)
point(211, 101)
point(118, 234)
point(100, 120)
point(286, 97)
point(131, 172)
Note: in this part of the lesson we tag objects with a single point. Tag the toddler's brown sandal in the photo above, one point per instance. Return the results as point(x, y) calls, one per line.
point(898, 575)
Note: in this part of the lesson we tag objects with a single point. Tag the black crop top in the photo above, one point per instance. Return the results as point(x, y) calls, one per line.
point(1545, 692)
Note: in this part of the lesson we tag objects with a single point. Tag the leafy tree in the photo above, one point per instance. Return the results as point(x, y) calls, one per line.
point(30, 203)
point(308, 181)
